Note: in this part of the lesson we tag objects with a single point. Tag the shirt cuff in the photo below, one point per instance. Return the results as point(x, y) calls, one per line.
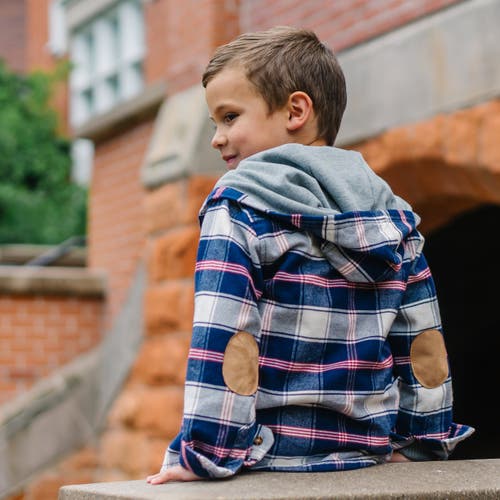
point(202, 466)
point(424, 448)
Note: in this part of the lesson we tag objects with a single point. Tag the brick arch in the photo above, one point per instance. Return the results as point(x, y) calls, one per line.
point(439, 191)
point(443, 166)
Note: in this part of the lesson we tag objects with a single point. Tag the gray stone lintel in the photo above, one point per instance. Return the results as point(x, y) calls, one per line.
point(66, 281)
point(180, 144)
point(79, 12)
point(475, 479)
point(440, 63)
point(122, 117)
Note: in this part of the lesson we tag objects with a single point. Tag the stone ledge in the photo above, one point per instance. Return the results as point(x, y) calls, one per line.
point(122, 117)
point(479, 479)
point(19, 254)
point(35, 280)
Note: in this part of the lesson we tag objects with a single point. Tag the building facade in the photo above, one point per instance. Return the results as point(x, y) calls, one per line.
point(423, 108)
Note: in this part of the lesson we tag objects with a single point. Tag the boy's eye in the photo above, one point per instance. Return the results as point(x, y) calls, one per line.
point(229, 117)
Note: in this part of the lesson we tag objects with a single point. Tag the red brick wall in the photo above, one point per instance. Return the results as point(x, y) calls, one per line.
point(182, 35)
point(38, 55)
point(13, 34)
point(116, 222)
point(157, 57)
point(340, 23)
point(39, 334)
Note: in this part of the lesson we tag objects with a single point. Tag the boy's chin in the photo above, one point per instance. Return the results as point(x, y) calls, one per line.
point(232, 164)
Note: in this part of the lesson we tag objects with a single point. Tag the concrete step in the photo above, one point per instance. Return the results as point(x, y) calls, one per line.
point(454, 480)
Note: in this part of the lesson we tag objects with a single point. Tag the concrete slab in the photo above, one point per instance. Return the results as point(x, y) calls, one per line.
point(478, 479)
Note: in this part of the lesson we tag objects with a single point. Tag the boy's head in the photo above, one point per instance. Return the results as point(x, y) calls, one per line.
point(278, 66)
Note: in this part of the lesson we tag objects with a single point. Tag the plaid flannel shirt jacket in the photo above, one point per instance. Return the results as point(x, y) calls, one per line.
point(334, 304)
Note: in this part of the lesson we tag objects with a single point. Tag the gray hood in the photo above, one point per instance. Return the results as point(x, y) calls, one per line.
point(366, 231)
point(319, 180)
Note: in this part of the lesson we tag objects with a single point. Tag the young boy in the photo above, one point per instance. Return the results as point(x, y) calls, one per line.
point(317, 341)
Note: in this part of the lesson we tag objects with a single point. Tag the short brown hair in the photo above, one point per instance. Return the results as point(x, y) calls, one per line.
point(283, 60)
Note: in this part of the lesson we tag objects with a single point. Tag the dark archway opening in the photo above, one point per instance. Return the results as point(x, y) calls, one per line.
point(464, 259)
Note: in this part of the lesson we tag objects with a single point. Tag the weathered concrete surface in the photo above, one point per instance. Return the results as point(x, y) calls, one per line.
point(439, 63)
point(479, 479)
point(18, 254)
point(68, 281)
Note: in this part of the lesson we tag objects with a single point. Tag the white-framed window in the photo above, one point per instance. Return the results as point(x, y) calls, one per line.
point(82, 159)
point(107, 60)
point(57, 43)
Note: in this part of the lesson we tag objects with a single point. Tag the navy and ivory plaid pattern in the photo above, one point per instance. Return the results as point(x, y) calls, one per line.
point(333, 303)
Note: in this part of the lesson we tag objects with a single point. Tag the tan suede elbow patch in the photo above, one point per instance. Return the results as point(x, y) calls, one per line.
point(429, 359)
point(240, 368)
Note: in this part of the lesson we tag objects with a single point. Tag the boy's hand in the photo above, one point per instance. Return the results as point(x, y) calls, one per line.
point(399, 457)
point(176, 473)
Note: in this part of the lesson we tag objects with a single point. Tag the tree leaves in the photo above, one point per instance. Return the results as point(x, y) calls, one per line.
point(38, 201)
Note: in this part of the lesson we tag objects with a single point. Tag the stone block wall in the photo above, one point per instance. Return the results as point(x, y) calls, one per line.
point(148, 412)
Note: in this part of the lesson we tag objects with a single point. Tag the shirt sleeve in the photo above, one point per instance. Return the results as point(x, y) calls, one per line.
point(219, 428)
point(424, 429)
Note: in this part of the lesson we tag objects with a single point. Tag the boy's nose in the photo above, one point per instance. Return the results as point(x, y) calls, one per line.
point(218, 140)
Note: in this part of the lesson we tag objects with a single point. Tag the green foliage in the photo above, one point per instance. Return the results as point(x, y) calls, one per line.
point(38, 202)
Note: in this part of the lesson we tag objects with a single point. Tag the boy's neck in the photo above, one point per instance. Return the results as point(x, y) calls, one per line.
point(317, 142)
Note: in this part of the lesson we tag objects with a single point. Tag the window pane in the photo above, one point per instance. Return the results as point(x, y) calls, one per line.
point(131, 80)
point(57, 28)
point(81, 48)
point(82, 155)
point(82, 104)
point(132, 31)
point(106, 94)
point(107, 56)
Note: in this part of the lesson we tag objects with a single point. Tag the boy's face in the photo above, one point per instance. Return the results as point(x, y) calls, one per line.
point(243, 123)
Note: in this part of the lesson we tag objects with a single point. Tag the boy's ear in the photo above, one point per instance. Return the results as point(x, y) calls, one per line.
point(300, 109)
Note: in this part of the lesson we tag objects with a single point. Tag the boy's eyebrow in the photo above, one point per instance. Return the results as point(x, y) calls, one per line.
point(222, 106)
